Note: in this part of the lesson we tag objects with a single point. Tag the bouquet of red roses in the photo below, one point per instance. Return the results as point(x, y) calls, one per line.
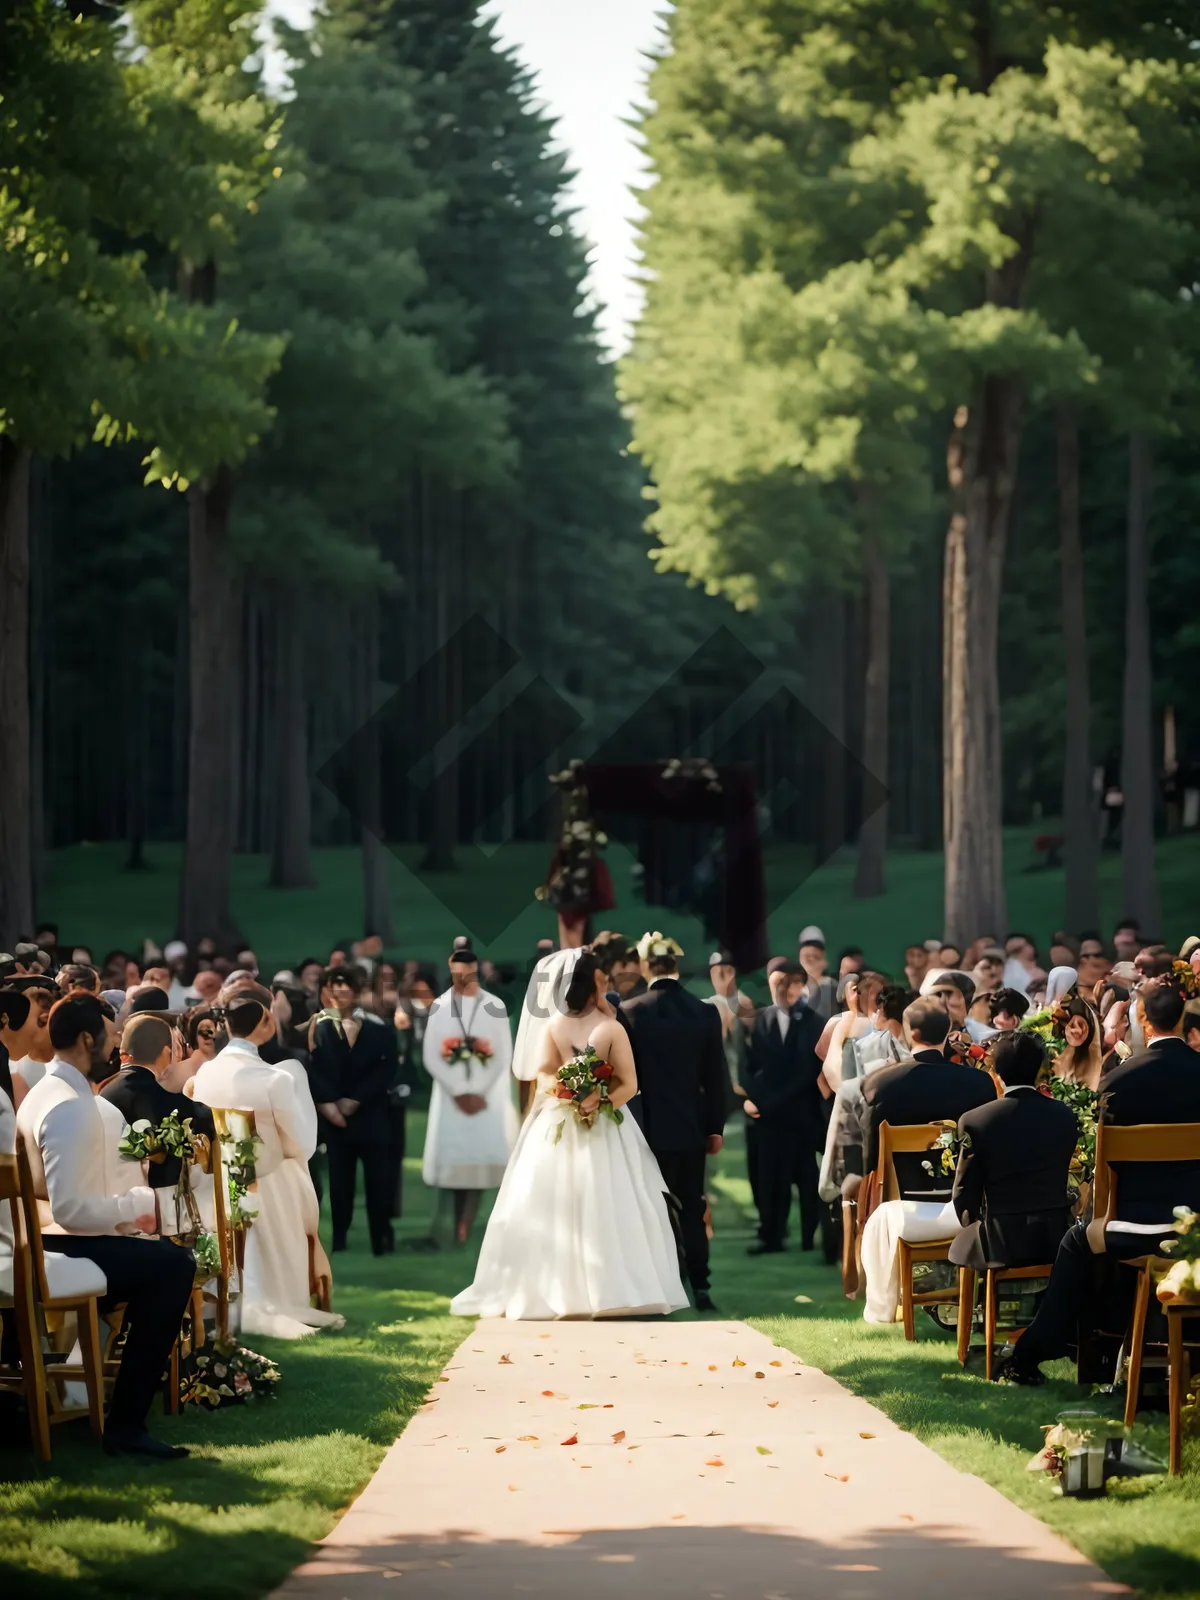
point(585, 1074)
point(465, 1052)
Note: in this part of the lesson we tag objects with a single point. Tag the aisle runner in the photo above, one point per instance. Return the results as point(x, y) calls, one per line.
point(667, 1460)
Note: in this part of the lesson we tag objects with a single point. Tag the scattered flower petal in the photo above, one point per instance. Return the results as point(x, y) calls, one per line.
point(763, 1451)
point(500, 1449)
point(617, 1437)
point(574, 1439)
point(866, 1436)
point(738, 1362)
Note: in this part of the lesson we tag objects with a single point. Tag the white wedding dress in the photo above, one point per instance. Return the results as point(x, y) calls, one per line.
point(580, 1225)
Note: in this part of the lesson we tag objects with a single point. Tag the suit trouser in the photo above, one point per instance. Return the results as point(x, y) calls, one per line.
point(153, 1279)
point(398, 1130)
point(787, 1158)
point(367, 1141)
point(752, 1166)
point(1069, 1306)
point(683, 1174)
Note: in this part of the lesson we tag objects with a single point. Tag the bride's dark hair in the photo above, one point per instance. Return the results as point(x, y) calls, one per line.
point(583, 982)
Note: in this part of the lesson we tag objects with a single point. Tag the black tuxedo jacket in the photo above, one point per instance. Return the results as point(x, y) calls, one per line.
point(926, 1089)
point(781, 1073)
point(1010, 1190)
point(1160, 1085)
point(363, 1072)
point(137, 1093)
point(680, 1065)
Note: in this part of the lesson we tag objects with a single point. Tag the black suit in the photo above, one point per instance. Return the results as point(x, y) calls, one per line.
point(926, 1089)
point(1010, 1190)
point(137, 1094)
point(780, 1077)
point(1162, 1084)
point(680, 1063)
point(365, 1072)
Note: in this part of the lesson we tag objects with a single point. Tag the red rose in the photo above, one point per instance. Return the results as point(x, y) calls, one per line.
point(563, 1092)
point(602, 1071)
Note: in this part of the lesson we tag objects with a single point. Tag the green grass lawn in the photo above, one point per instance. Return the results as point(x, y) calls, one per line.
point(266, 1480)
point(98, 904)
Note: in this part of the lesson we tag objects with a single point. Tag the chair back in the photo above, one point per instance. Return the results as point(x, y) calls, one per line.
point(14, 1186)
point(904, 1139)
point(1141, 1141)
point(231, 1244)
point(32, 1229)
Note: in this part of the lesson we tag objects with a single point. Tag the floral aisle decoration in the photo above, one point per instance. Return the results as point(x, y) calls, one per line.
point(207, 1251)
point(1181, 1283)
point(942, 1161)
point(1074, 1451)
point(585, 1074)
point(239, 1152)
point(155, 1143)
point(226, 1373)
point(467, 1051)
point(1085, 1103)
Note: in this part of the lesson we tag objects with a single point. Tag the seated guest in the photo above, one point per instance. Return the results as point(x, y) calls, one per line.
point(956, 992)
point(1160, 1084)
point(275, 1289)
point(929, 1088)
point(1008, 1006)
point(1010, 1189)
point(883, 1046)
point(18, 1029)
point(780, 1078)
point(147, 1053)
point(355, 1066)
point(94, 1205)
point(41, 992)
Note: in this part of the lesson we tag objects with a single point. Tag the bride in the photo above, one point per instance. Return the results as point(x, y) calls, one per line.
point(580, 1225)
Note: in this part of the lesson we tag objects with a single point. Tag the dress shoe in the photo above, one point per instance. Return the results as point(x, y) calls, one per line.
point(137, 1442)
point(704, 1301)
point(763, 1249)
point(1005, 1370)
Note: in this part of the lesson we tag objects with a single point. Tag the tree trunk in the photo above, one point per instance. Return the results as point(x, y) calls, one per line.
point(832, 675)
point(1139, 877)
point(377, 907)
point(1080, 823)
point(215, 608)
point(16, 814)
point(981, 465)
point(291, 867)
point(443, 812)
point(872, 842)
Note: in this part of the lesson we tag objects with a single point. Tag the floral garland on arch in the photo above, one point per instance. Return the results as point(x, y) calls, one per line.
point(571, 882)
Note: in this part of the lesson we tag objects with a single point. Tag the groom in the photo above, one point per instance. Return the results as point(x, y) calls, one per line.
point(682, 1082)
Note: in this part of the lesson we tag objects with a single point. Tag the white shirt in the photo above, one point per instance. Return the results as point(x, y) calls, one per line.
point(8, 1146)
point(285, 1118)
point(783, 1018)
point(71, 1138)
point(29, 1070)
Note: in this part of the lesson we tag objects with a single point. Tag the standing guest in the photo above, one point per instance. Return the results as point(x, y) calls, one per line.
point(1064, 950)
point(1093, 965)
point(782, 1068)
point(1011, 1184)
point(683, 1084)
point(956, 991)
point(916, 965)
point(385, 991)
point(860, 993)
point(175, 955)
point(45, 936)
point(949, 956)
point(309, 974)
point(367, 953)
point(247, 961)
point(820, 991)
point(355, 1065)
point(988, 972)
point(472, 1118)
point(1161, 1084)
point(96, 1205)
point(206, 986)
point(1127, 939)
point(112, 969)
point(851, 960)
point(75, 978)
point(276, 1290)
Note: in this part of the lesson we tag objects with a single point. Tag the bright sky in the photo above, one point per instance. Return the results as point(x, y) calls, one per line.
point(589, 59)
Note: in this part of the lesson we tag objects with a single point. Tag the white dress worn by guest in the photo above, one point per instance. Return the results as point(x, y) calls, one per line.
point(580, 1226)
point(461, 1151)
point(914, 1221)
point(275, 1285)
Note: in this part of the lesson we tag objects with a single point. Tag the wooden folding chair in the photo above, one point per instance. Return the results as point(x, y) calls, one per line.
point(1179, 1359)
point(223, 1226)
point(28, 1377)
point(47, 1305)
point(992, 1279)
point(1146, 1141)
point(912, 1140)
